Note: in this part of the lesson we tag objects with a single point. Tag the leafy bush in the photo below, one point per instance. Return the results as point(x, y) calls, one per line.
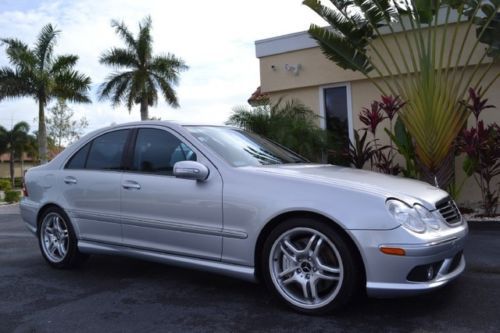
point(5, 185)
point(291, 124)
point(12, 196)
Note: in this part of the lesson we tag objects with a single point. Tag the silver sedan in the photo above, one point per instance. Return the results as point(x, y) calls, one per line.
point(223, 200)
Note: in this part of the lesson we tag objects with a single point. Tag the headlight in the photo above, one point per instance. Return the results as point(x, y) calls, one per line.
point(417, 219)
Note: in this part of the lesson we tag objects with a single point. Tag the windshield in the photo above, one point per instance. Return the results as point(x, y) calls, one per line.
point(240, 148)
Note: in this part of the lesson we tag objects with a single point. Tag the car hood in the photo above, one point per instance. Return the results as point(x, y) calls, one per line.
point(359, 180)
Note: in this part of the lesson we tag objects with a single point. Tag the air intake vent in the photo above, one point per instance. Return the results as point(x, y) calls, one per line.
point(449, 211)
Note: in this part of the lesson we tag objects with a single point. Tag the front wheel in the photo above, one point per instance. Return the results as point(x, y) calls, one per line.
point(309, 266)
point(57, 240)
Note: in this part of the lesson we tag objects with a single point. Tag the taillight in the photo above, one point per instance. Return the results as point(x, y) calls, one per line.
point(25, 190)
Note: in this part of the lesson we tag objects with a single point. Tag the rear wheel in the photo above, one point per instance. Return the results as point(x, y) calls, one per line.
point(309, 266)
point(57, 240)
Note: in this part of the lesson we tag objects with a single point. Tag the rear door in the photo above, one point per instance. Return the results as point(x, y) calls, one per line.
point(91, 185)
point(167, 214)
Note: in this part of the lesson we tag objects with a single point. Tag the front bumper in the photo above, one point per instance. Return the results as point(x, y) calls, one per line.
point(388, 275)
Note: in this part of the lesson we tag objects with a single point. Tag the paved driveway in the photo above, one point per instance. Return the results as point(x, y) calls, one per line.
point(111, 294)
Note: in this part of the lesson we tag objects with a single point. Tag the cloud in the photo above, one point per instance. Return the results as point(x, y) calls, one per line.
point(216, 39)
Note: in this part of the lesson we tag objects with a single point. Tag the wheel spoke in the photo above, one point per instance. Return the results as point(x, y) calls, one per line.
point(323, 276)
point(317, 247)
point(327, 268)
point(289, 280)
point(61, 249)
point(305, 290)
point(286, 272)
point(64, 234)
point(314, 290)
point(52, 247)
point(289, 250)
point(310, 244)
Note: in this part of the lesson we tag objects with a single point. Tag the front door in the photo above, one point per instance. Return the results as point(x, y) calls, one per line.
point(167, 214)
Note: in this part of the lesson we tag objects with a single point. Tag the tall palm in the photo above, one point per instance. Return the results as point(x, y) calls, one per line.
point(15, 142)
point(38, 73)
point(143, 74)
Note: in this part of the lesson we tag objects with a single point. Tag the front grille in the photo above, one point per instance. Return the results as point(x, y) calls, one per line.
point(449, 211)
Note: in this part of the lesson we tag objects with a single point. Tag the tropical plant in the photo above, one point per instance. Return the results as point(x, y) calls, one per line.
point(429, 78)
point(290, 124)
point(403, 141)
point(62, 127)
point(38, 73)
point(15, 142)
point(481, 145)
point(360, 151)
point(144, 74)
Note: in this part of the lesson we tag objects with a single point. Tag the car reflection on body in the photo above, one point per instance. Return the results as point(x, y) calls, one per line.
point(223, 200)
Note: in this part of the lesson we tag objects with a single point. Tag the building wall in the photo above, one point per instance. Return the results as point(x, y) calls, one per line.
point(18, 169)
point(316, 72)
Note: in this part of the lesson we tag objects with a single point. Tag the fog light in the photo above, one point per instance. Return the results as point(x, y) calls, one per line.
point(430, 273)
point(424, 273)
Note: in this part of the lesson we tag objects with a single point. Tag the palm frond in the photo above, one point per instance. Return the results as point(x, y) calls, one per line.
point(144, 47)
point(134, 91)
point(168, 92)
point(14, 84)
point(44, 46)
point(64, 62)
point(72, 85)
point(118, 57)
point(114, 86)
point(19, 54)
point(339, 49)
point(168, 67)
point(122, 31)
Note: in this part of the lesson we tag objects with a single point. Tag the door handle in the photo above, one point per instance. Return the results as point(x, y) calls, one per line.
point(70, 180)
point(131, 185)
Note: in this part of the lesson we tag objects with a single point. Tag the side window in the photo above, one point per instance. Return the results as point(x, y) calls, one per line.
point(156, 151)
point(106, 151)
point(77, 161)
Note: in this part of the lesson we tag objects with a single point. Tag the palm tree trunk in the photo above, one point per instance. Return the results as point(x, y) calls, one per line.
point(144, 108)
point(42, 134)
point(11, 167)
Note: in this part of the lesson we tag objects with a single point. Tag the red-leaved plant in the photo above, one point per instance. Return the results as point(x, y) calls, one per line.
point(481, 145)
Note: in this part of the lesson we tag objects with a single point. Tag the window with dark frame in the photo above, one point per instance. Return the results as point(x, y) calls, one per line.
point(337, 123)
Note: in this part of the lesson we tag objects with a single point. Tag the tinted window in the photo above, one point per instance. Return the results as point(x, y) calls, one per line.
point(107, 150)
point(156, 151)
point(336, 113)
point(78, 160)
point(240, 148)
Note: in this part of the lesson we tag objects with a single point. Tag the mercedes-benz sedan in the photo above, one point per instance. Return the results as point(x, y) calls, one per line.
point(224, 200)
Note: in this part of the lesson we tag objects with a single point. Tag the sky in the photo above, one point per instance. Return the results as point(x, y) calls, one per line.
point(215, 38)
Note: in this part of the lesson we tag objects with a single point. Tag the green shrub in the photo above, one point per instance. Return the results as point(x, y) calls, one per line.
point(5, 185)
point(12, 196)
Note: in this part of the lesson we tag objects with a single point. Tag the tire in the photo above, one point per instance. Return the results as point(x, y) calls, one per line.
point(310, 267)
point(57, 240)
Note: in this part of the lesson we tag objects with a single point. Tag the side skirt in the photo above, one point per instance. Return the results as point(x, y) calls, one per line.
point(240, 272)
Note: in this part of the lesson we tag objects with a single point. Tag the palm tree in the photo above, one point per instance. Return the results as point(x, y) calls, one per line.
point(15, 142)
point(39, 74)
point(143, 74)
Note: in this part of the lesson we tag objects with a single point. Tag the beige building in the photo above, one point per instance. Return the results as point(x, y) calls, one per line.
point(293, 66)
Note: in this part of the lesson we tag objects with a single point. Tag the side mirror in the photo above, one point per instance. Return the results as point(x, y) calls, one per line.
point(191, 170)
